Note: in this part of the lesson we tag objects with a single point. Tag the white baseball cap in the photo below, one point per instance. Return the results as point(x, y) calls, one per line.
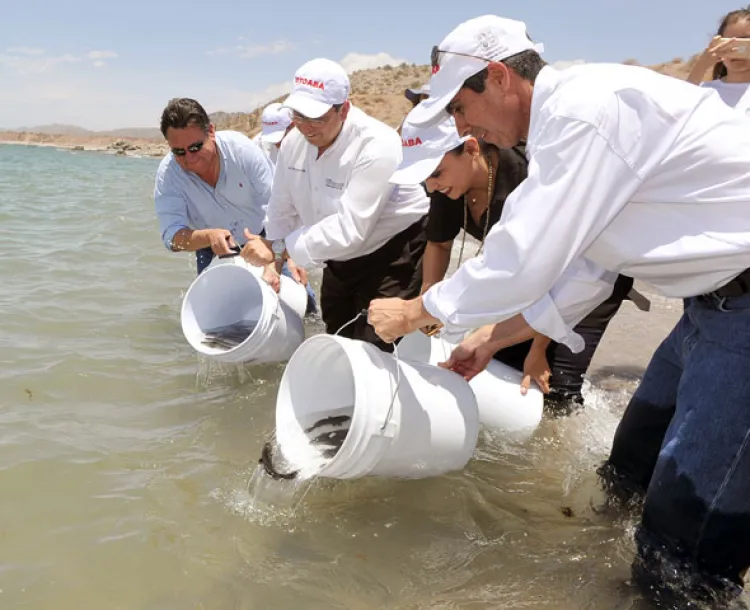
point(318, 85)
point(274, 122)
point(424, 148)
point(411, 94)
point(465, 52)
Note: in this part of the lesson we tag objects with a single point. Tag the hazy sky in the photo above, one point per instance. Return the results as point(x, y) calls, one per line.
point(103, 65)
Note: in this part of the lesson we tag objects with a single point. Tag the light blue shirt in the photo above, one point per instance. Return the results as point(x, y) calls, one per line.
point(184, 201)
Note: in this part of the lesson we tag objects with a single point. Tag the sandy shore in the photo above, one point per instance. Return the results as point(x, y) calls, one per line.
point(104, 144)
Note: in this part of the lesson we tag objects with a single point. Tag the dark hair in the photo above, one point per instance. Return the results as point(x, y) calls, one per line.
point(182, 112)
point(485, 147)
point(720, 70)
point(527, 64)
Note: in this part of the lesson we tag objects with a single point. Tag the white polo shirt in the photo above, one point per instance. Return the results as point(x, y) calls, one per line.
point(630, 172)
point(341, 206)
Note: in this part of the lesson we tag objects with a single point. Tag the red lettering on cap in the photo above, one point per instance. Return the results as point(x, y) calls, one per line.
point(270, 122)
point(410, 142)
point(301, 80)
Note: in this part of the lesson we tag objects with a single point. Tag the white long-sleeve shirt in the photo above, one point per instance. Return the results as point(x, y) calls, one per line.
point(341, 206)
point(630, 172)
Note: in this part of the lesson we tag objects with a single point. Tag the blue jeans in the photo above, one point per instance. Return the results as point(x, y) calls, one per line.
point(204, 257)
point(684, 440)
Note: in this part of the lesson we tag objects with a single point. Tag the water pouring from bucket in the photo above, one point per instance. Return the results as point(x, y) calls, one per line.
point(231, 314)
point(345, 409)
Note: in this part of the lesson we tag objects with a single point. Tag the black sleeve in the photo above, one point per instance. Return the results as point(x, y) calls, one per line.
point(445, 219)
point(512, 169)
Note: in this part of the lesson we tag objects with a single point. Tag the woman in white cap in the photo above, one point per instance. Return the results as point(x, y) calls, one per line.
point(468, 182)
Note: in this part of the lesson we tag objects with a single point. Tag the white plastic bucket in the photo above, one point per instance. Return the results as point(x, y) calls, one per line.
point(231, 290)
point(501, 405)
point(431, 426)
point(292, 293)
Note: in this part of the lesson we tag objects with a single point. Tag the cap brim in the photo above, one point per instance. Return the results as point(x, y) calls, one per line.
point(417, 172)
point(410, 95)
point(444, 86)
point(432, 110)
point(306, 106)
point(273, 137)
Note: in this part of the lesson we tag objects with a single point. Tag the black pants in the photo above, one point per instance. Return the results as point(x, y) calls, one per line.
point(393, 270)
point(568, 368)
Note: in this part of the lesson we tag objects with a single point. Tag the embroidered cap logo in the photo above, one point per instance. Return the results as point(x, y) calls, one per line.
point(406, 143)
point(315, 84)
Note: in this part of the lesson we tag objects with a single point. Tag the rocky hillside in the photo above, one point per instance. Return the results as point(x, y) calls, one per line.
point(380, 93)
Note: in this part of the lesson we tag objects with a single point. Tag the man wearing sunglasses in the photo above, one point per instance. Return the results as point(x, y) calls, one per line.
point(211, 186)
point(332, 203)
point(630, 172)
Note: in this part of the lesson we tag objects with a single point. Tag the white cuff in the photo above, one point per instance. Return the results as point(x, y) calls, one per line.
point(430, 304)
point(544, 318)
point(295, 246)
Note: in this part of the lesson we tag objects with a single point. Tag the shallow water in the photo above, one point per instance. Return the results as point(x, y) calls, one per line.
point(128, 467)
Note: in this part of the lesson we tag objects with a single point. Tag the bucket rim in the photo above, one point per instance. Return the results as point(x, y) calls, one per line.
point(362, 432)
point(264, 310)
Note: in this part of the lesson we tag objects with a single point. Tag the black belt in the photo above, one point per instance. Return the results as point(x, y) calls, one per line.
point(736, 287)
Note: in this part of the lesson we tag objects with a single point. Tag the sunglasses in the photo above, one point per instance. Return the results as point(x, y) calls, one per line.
point(193, 148)
point(437, 53)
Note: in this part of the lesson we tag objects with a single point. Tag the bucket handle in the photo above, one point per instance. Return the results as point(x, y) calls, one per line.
point(388, 416)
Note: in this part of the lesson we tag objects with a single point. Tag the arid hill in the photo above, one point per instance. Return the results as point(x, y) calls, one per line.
point(379, 92)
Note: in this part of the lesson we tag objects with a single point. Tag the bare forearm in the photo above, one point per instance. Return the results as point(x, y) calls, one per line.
point(698, 72)
point(510, 332)
point(437, 257)
point(541, 342)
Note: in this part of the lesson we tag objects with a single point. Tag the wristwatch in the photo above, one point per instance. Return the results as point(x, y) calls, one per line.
point(278, 247)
